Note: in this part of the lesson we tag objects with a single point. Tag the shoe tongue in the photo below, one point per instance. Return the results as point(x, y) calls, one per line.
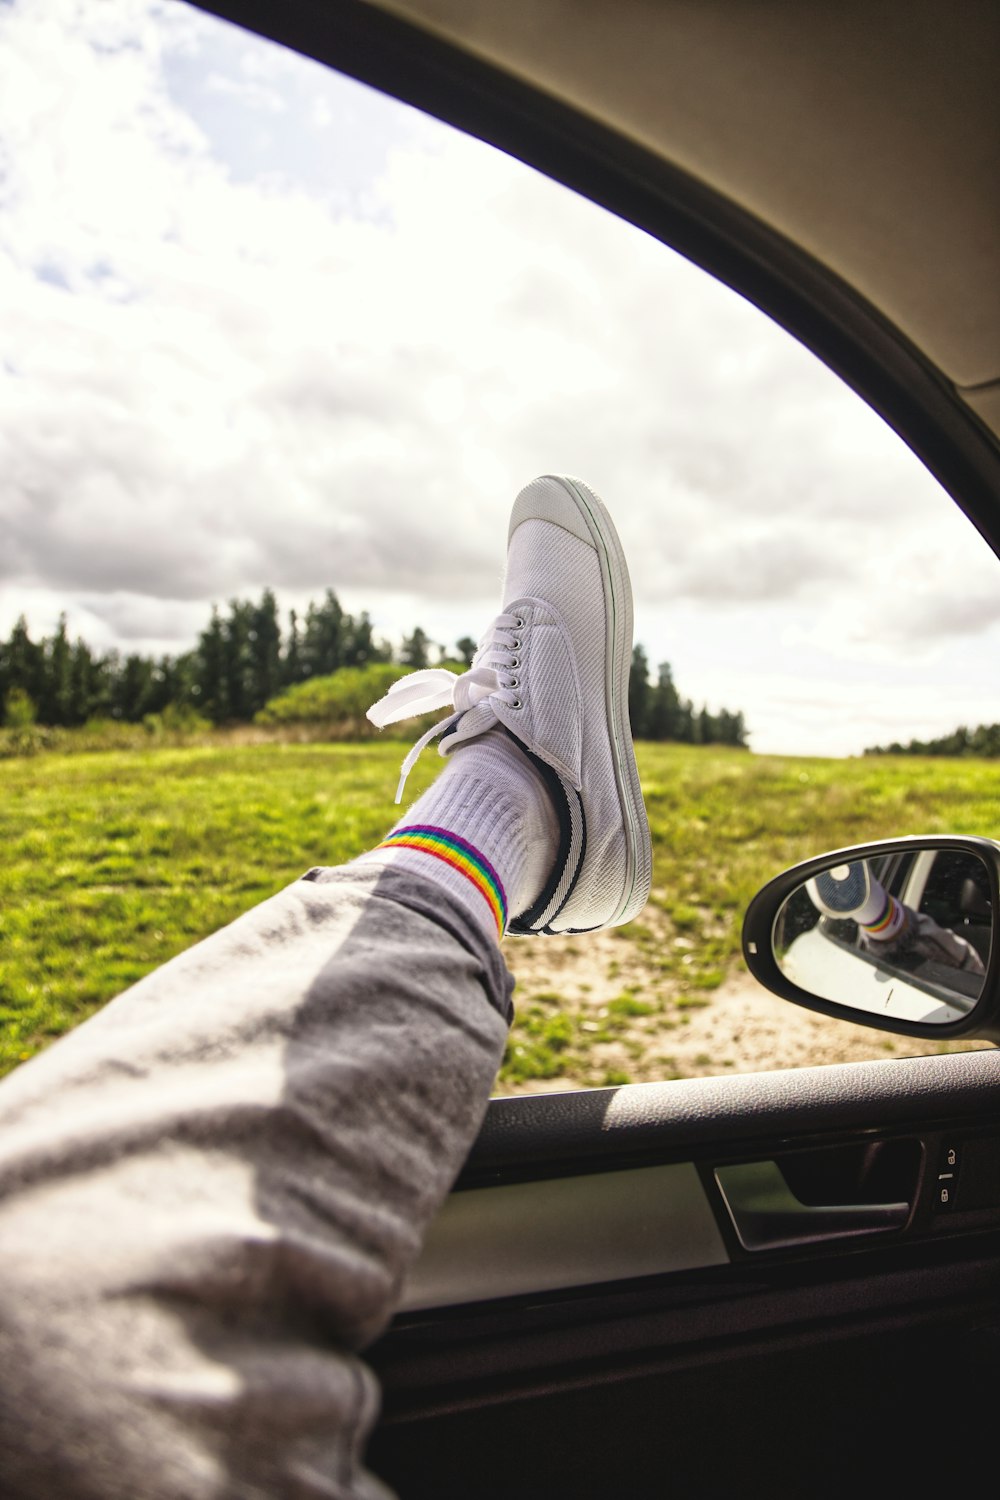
point(474, 721)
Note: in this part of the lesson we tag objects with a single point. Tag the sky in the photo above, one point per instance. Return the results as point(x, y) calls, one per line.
point(260, 326)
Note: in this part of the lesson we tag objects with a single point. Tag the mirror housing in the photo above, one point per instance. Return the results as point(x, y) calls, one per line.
point(801, 942)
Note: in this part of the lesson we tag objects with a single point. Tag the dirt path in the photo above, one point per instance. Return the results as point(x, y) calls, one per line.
point(740, 1028)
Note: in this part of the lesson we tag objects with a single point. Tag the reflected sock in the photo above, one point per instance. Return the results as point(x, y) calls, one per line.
point(486, 831)
point(882, 917)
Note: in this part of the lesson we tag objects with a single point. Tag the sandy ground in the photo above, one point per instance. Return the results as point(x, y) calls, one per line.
point(742, 1028)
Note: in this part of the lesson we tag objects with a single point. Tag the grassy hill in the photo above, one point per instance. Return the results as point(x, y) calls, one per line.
point(113, 862)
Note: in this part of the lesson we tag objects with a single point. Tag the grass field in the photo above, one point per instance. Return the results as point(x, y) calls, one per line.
point(112, 862)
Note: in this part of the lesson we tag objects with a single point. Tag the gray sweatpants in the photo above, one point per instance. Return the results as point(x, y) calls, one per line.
point(209, 1194)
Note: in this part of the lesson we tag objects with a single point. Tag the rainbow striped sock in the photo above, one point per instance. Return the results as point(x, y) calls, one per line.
point(889, 923)
point(459, 855)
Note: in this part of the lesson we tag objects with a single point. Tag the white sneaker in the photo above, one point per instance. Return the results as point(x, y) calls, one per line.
point(842, 892)
point(553, 670)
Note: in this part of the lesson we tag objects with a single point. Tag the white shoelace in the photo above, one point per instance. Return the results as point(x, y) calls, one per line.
point(492, 676)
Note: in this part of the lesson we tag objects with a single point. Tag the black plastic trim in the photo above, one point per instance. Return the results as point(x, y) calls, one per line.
point(532, 1135)
point(480, 1356)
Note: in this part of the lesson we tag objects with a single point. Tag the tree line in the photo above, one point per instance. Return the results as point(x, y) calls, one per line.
point(243, 659)
point(983, 741)
point(658, 712)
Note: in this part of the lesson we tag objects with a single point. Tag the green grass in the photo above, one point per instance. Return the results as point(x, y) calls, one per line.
point(112, 862)
point(550, 1041)
point(723, 822)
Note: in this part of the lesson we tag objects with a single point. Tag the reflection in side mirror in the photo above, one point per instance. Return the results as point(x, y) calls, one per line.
point(847, 937)
point(898, 935)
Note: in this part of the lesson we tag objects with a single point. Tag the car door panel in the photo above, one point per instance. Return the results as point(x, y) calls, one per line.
point(836, 1325)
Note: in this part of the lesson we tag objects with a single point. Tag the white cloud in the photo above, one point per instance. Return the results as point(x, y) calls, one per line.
point(216, 378)
point(250, 91)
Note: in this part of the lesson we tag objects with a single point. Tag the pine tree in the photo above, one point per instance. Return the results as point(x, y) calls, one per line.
point(237, 661)
point(291, 661)
point(685, 721)
point(323, 642)
point(82, 678)
point(664, 708)
point(131, 690)
point(415, 649)
point(24, 663)
point(360, 646)
point(265, 651)
point(210, 682)
point(54, 690)
point(638, 693)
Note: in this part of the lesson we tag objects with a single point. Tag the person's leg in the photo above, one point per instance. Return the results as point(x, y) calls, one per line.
point(852, 891)
point(210, 1193)
point(886, 926)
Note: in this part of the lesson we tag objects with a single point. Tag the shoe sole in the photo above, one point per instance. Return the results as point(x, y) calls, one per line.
point(618, 664)
point(856, 887)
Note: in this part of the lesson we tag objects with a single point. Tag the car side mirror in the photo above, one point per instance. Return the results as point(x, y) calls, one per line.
point(901, 935)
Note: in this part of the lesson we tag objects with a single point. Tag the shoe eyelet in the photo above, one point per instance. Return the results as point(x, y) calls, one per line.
point(517, 644)
point(517, 703)
point(515, 661)
point(514, 682)
point(518, 623)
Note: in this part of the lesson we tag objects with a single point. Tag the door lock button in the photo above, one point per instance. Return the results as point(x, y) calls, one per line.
point(944, 1200)
point(947, 1180)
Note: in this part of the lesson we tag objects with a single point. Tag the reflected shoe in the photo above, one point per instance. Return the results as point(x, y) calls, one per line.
point(843, 891)
point(552, 671)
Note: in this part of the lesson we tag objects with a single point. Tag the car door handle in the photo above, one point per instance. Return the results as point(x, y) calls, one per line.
point(767, 1215)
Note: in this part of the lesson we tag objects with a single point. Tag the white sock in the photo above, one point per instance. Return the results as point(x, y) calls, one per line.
point(882, 916)
point(486, 831)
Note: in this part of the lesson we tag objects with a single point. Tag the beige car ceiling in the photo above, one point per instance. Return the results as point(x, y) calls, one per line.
point(865, 131)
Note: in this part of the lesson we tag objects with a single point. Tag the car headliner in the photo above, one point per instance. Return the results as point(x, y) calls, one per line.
point(839, 164)
point(875, 145)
